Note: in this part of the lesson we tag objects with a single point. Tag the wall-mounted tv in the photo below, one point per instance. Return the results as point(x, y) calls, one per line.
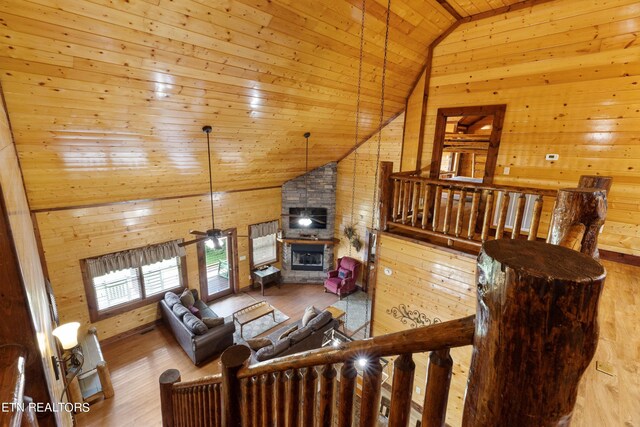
point(318, 218)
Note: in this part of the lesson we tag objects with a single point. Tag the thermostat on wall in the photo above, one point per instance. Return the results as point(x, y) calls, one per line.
point(551, 157)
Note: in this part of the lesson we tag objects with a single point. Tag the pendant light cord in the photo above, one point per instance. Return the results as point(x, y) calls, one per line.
point(207, 130)
point(306, 172)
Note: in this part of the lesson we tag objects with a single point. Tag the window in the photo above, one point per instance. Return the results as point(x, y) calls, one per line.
point(264, 247)
point(125, 280)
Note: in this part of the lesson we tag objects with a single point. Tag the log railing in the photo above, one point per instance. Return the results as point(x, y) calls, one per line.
point(12, 370)
point(460, 211)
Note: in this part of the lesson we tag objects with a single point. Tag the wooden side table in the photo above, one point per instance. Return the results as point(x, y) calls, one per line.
point(337, 314)
point(266, 276)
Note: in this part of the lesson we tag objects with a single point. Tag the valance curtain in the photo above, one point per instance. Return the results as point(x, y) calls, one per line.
point(134, 258)
point(263, 229)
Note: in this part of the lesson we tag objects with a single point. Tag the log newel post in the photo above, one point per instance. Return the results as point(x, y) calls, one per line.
point(401, 390)
point(577, 219)
point(536, 332)
point(385, 192)
point(437, 388)
point(232, 360)
point(167, 380)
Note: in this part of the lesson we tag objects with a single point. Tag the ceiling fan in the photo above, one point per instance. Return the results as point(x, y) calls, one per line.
point(213, 234)
point(305, 218)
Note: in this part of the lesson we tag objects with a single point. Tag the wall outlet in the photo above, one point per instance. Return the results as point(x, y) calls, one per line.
point(551, 157)
point(506, 170)
point(418, 390)
point(242, 257)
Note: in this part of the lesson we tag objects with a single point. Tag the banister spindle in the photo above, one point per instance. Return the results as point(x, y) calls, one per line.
point(447, 210)
point(396, 200)
point(401, 390)
point(217, 407)
point(348, 375)
point(488, 214)
point(247, 397)
point(325, 407)
point(309, 396)
point(473, 216)
point(415, 199)
point(293, 399)
point(460, 214)
point(406, 193)
point(267, 400)
point(437, 389)
point(281, 397)
point(502, 217)
point(370, 400)
point(436, 207)
point(535, 219)
point(425, 207)
point(517, 222)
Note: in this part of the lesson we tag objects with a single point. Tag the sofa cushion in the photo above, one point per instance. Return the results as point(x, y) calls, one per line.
point(309, 313)
point(194, 310)
point(187, 298)
point(194, 324)
point(171, 299)
point(258, 343)
point(300, 334)
point(180, 310)
point(288, 332)
point(212, 322)
point(271, 351)
point(204, 309)
point(320, 320)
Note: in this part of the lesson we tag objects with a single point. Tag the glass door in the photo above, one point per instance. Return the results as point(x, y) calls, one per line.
point(216, 267)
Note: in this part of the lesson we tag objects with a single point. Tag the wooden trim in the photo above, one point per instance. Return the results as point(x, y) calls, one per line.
point(138, 330)
point(498, 112)
point(404, 124)
point(124, 202)
point(333, 241)
point(232, 261)
point(427, 244)
point(250, 248)
point(366, 138)
point(446, 6)
point(36, 231)
point(619, 257)
point(504, 9)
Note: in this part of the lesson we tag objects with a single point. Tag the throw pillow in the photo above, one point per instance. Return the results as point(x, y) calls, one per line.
point(286, 333)
point(187, 298)
point(309, 313)
point(171, 299)
point(343, 274)
point(320, 320)
point(194, 324)
point(212, 322)
point(194, 310)
point(257, 343)
point(180, 310)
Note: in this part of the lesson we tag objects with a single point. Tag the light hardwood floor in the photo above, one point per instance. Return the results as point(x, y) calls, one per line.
point(137, 362)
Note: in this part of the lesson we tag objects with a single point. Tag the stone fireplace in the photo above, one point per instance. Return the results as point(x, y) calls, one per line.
point(307, 253)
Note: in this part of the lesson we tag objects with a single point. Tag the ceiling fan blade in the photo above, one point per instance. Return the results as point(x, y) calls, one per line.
point(197, 233)
point(317, 220)
point(199, 239)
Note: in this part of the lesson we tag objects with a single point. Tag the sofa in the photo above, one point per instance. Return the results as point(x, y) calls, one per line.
point(198, 347)
point(342, 280)
point(308, 338)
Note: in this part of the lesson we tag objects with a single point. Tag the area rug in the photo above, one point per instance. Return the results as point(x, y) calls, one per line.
point(357, 307)
point(258, 326)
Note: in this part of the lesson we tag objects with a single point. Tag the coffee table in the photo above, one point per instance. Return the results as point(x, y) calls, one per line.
point(253, 312)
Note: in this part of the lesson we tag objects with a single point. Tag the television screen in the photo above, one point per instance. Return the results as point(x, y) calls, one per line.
point(318, 218)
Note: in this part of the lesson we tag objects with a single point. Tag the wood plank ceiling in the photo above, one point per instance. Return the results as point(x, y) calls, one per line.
point(107, 97)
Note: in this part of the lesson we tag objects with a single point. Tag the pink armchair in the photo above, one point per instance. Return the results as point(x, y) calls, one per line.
point(342, 280)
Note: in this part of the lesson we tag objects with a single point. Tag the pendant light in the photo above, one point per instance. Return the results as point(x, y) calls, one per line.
point(305, 218)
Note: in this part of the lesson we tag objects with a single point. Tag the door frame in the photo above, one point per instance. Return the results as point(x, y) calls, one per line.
point(232, 260)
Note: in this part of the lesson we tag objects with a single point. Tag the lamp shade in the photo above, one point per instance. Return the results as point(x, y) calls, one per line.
point(67, 334)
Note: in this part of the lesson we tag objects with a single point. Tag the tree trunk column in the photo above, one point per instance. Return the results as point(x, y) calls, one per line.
point(577, 219)
point(536, 332)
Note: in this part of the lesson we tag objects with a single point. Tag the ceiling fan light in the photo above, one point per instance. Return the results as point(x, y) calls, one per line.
point(304, 221)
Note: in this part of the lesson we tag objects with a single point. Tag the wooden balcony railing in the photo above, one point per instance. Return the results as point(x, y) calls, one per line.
point(515, 354)
point(12, 371)
point(461, 211)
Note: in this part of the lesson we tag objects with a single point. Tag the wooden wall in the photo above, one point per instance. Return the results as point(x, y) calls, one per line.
point(437, 282)
point(22, 285)
point(73, 234)
point(365, 176)
point(413, 127)
point(568, 72)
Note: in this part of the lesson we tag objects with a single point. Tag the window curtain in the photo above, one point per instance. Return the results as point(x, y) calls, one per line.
point(263, 229)
point(134, 258)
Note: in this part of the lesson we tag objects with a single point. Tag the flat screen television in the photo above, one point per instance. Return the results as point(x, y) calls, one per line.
point(318, 218)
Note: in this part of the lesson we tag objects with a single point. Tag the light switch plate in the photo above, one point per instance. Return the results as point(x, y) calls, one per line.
point(242, 257)
point(506, 170)
point(418, 390)
point(551, 157)
point(604, 367)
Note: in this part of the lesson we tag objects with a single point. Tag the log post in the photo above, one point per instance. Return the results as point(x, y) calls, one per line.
point(437, 389)
point(346, 393)
point(386, 193)
point(536, 332)
point(370, 399)
point(167, 380)
point(401, 390)
point(105, 379)
point(577, 218)
point(596, 181)
point(325, 407)
point(232, 359)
